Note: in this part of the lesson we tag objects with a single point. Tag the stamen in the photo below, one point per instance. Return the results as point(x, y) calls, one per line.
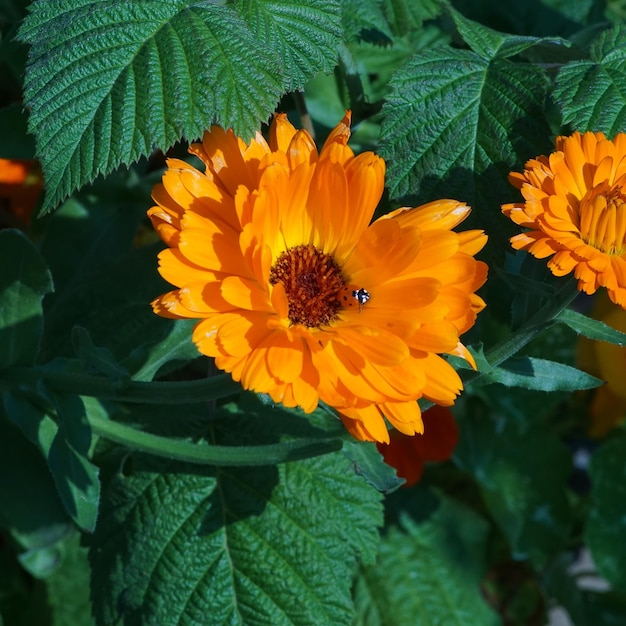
point(311, 279)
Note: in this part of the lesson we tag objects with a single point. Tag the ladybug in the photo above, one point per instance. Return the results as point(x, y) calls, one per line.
point(351, 296)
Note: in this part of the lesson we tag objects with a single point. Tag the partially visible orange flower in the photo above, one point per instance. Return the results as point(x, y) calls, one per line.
point(575, 208)
point(297, 296)
point(20, 185)
point(608, 362)
point(409, 454)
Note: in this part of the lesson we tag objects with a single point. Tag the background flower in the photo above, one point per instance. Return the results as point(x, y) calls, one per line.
point(21, 184)
point(409, 454)
point(575, 211)
point(298, 297)
point(607, 361)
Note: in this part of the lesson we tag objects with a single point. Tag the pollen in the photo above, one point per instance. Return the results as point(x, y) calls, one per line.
point(312, 279)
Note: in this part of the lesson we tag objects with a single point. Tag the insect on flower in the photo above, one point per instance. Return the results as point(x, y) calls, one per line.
point(351, 295)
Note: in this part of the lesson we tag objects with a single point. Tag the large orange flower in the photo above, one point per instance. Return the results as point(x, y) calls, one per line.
point(298, 297)
point(575, 209)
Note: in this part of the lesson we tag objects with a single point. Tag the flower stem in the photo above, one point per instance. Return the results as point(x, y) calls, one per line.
point(170, 393)
point(210, 454)
point(533, 327)
point(123, 390)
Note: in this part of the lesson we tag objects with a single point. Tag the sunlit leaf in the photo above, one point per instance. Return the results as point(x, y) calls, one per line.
point(592, 93)
point(109, 82)
point(272, 544)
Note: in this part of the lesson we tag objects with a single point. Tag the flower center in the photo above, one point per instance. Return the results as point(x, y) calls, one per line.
point(603, 219)
point(312, 279)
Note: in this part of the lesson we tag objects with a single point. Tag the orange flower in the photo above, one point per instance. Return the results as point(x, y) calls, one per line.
point(20, 186)
point(576, 210)
point(298, 297)
point(608, 362)
point(408, 454)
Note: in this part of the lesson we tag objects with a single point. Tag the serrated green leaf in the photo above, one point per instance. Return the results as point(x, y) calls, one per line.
point(606, 523)
point(451, 122)
point(24, 281)
point(522, 470)
point(489, 43)
point(541, 375)
point(250, 546)
point(590, 328)
point(107, 82)
point(428, 573)
point(405, 16)
point(592, 93)
point(360, 16)
point(303, 34)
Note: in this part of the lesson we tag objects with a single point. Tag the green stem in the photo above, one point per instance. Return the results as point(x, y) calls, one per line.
point(167, 393)
point(533, 327)
point(124, 391)
point(214, 455)
point(522, 337)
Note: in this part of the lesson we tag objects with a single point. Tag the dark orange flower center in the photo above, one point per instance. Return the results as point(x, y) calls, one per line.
point(312, 279)
point(603, 219)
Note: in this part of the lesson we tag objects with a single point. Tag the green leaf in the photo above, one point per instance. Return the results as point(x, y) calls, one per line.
point(522, 469)
point(24, 281)
point(453, 123)
point(360, 16)
point(561, 586)
point(102, 283)
point(369, 463)
point(109, 82)
point(76, 477)
point(606, 523)
point(605, 608)
point(270, 545)
point(112, 303)
point(489, 43)
point(590, 328)
point(176, 345)
point(68, 588)
point(406, 16)
point(303, 34)
point(31, 510)
point(96, 360)
point(65, 446)
point(541, 375)
point(14, 142)
point(427, 573)
point(592, 93)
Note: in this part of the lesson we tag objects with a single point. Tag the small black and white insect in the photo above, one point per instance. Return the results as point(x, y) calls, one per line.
point(352, 295)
